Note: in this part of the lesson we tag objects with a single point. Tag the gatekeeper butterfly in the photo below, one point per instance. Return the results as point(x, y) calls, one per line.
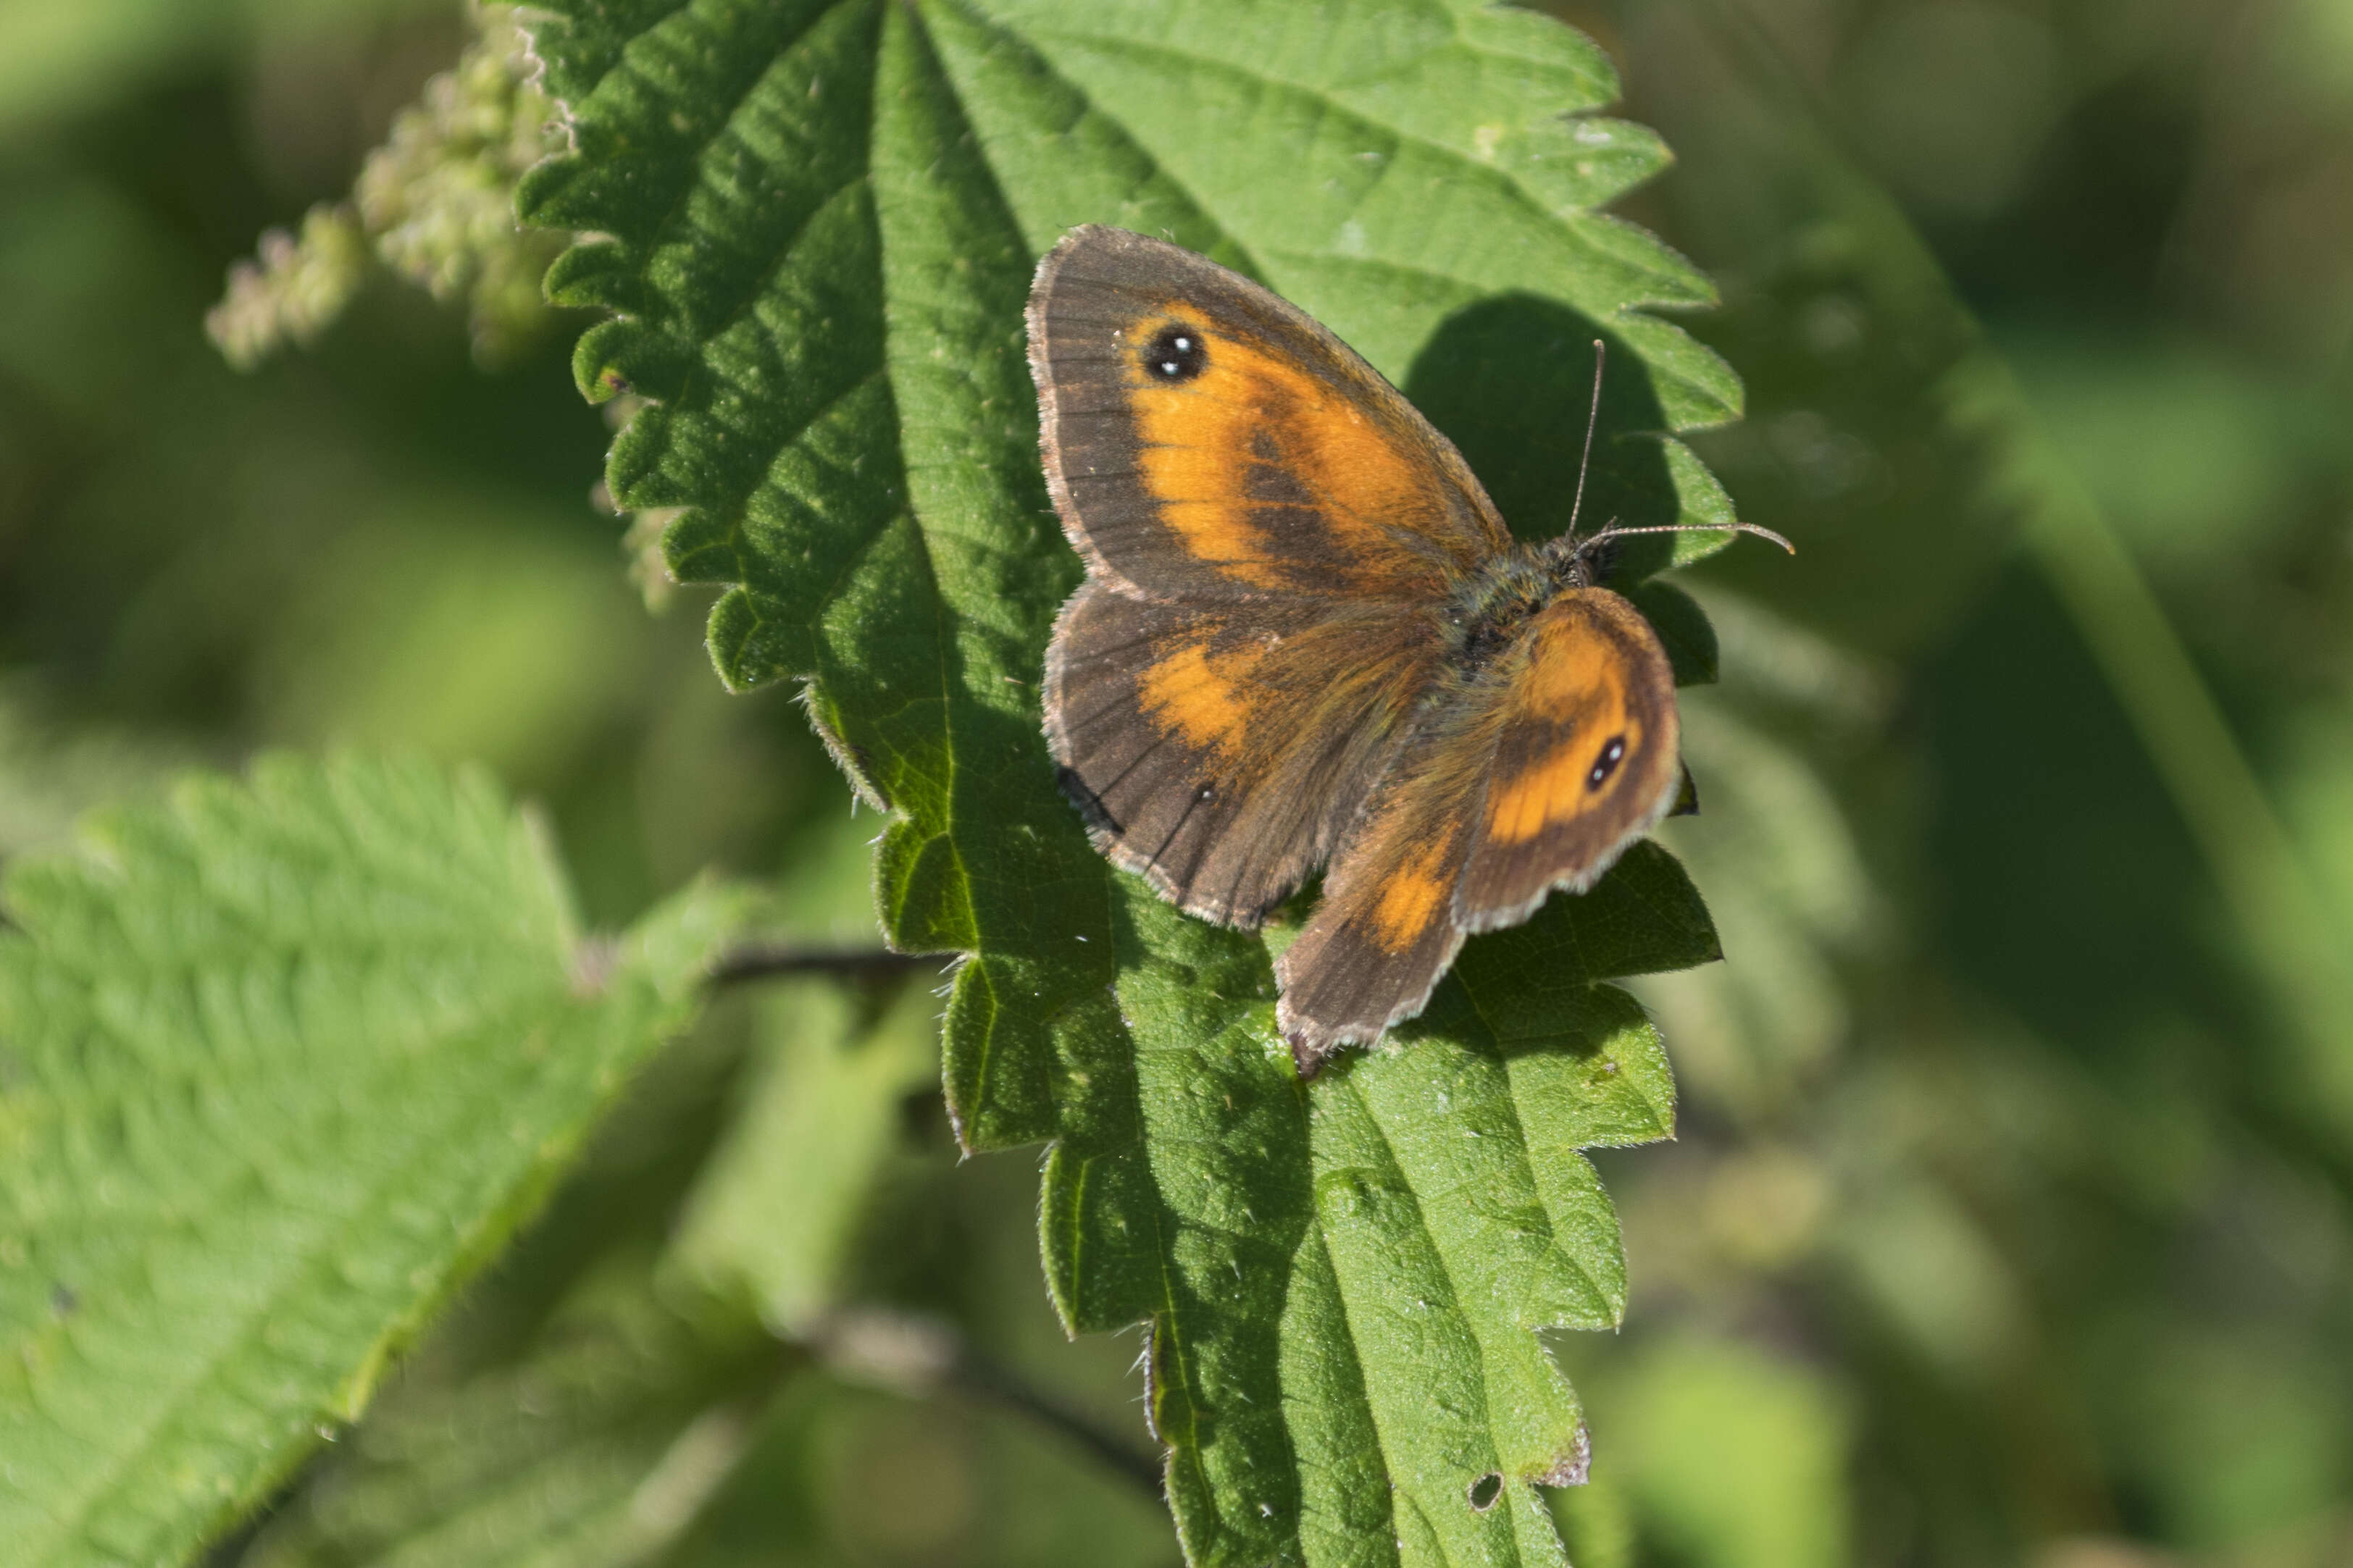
point(1306, 639)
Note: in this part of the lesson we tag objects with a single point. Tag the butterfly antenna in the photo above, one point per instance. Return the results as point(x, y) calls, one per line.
point(1592, 418)
point(1614, 531)
point(1611, 531)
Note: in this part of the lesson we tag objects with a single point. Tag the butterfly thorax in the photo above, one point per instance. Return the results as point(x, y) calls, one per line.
point(1491, 611)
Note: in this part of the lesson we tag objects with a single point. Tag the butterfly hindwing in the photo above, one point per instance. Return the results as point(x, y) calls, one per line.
point(1204, 439)
point(1221, 750)
point(1384, 929)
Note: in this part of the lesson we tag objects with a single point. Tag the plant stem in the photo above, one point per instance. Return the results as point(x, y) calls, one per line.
point(919, 1357)
point(767, 961)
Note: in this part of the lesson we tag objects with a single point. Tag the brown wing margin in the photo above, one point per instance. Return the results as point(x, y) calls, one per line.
point(1262, 455)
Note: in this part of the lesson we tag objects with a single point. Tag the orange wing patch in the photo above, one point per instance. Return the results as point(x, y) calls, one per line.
point(1200, 696)
point(1580, 682)
point(1196, 440)
point(1412, 896)
point(1568, 667)
point(1553, 789)
point(1518, 807)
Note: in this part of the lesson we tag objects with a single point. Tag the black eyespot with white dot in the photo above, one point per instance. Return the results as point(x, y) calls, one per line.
point(1613, 752)
point(1176, 354)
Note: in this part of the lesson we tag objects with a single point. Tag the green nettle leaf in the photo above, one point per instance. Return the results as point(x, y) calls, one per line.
point(814, 226)
point(280, 1063)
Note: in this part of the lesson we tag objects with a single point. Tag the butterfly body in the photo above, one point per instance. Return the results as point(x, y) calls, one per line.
point(1307, 640)
point(1491, 611)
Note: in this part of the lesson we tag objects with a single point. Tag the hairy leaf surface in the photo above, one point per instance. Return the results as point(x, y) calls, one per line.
point(283, 1061)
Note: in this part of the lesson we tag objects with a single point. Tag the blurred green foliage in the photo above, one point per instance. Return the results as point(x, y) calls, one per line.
point(2009, 1220)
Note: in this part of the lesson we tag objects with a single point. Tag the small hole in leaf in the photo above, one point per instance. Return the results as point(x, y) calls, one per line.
point(1485, 1490)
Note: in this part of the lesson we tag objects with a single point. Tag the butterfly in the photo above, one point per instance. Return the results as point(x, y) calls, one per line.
point(1306, 640)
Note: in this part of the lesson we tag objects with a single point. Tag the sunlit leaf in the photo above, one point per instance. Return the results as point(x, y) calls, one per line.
point(285, 1061)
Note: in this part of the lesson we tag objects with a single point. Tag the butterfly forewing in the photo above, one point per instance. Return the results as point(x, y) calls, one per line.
point(1587, 757)
point(1205, 439)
